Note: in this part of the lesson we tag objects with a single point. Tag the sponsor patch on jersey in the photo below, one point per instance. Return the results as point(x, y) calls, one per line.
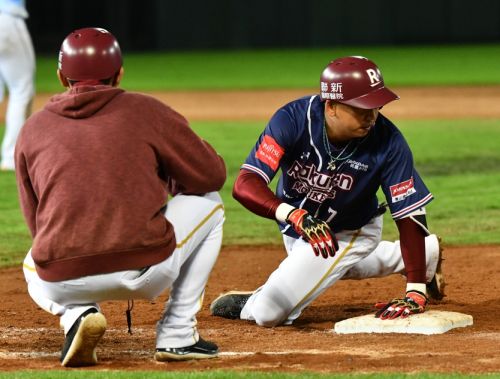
point(402, 190)
point(269, 152)
point(357, 165)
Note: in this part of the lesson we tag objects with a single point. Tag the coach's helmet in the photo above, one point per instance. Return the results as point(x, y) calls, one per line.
point(90, 54)
point(355, 81)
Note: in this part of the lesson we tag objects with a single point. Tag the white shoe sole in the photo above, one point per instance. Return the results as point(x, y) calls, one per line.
point(82, 349)
point(165, 356)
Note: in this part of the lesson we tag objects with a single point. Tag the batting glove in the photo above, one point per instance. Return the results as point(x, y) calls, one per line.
point(315, 231)
point(413, 303)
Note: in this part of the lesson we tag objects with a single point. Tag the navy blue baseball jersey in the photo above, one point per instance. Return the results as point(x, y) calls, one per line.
point(336, 184)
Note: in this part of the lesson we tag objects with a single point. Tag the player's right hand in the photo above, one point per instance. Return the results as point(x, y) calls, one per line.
point(315, 231)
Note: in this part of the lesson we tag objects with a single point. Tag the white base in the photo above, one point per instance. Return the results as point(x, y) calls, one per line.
point(430, 322)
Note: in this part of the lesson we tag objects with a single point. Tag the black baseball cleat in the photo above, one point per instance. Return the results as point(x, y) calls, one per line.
point(200, 350)
point(435, 288)
point(230, 304)
point(81, 340)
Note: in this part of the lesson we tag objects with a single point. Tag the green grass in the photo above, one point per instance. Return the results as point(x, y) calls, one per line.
point(298, 68)
point(223, 375)
point(14, 235)
point(458, 160)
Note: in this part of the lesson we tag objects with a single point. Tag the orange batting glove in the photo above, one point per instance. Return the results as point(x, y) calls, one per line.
point(315, 231)
point(414, 302)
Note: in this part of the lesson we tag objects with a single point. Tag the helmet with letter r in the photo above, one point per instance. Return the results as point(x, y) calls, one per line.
point(355, 81)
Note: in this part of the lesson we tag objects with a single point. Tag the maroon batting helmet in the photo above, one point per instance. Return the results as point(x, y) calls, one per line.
point(355, 81)
point(90, 53)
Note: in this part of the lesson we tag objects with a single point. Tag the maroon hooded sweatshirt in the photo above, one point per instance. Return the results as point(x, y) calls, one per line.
point(94, 169)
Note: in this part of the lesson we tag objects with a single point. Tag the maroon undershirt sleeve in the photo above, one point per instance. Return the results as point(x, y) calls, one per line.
point(252, 192)
point(412, 238)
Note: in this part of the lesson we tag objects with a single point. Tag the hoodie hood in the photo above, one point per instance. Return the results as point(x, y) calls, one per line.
point(82, 101)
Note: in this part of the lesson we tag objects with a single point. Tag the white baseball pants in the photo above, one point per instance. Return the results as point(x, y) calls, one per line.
point(197, 222)
point(17, 70)
point(302, 276)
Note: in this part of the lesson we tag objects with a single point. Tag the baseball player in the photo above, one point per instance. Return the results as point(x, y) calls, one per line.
point(94, 169)
point(17, 70)
point(334, 151)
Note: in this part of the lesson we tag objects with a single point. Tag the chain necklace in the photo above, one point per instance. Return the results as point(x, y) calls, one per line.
point(332, 163)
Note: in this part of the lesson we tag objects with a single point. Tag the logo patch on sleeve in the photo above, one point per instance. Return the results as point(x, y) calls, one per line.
point(402, 190)
point(269, 152)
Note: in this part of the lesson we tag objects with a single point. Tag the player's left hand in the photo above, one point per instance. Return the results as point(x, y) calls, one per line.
point(315, 231)
point(414, 302)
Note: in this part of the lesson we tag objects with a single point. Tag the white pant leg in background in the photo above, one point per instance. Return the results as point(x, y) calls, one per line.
point(386, 259)
point(17, 71)
point(302, 276)
point(197, 222)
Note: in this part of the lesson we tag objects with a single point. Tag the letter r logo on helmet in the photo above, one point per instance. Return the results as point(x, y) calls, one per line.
point(374, 77)
point(355, 81)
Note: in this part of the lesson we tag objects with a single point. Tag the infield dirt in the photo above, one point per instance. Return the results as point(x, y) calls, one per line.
point(31, 339)
point(415, 103)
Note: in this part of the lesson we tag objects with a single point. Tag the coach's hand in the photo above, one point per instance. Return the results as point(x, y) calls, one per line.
point(315, 231)
point(414, 302)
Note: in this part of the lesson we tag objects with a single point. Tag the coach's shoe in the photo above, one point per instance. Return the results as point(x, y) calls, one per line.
point(200, 350)
point(230, 304)
point(435, 288)
point(81, 340)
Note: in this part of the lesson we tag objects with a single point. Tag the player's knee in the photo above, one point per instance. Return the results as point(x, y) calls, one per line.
point(268, 314)
point(214, 196)
point(22, 95)
point(267, 320)
point(216, 199)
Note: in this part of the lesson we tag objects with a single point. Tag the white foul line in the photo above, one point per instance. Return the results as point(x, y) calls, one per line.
point(227, 354)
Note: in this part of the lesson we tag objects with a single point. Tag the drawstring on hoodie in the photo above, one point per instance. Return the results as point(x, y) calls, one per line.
point(128, 313)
